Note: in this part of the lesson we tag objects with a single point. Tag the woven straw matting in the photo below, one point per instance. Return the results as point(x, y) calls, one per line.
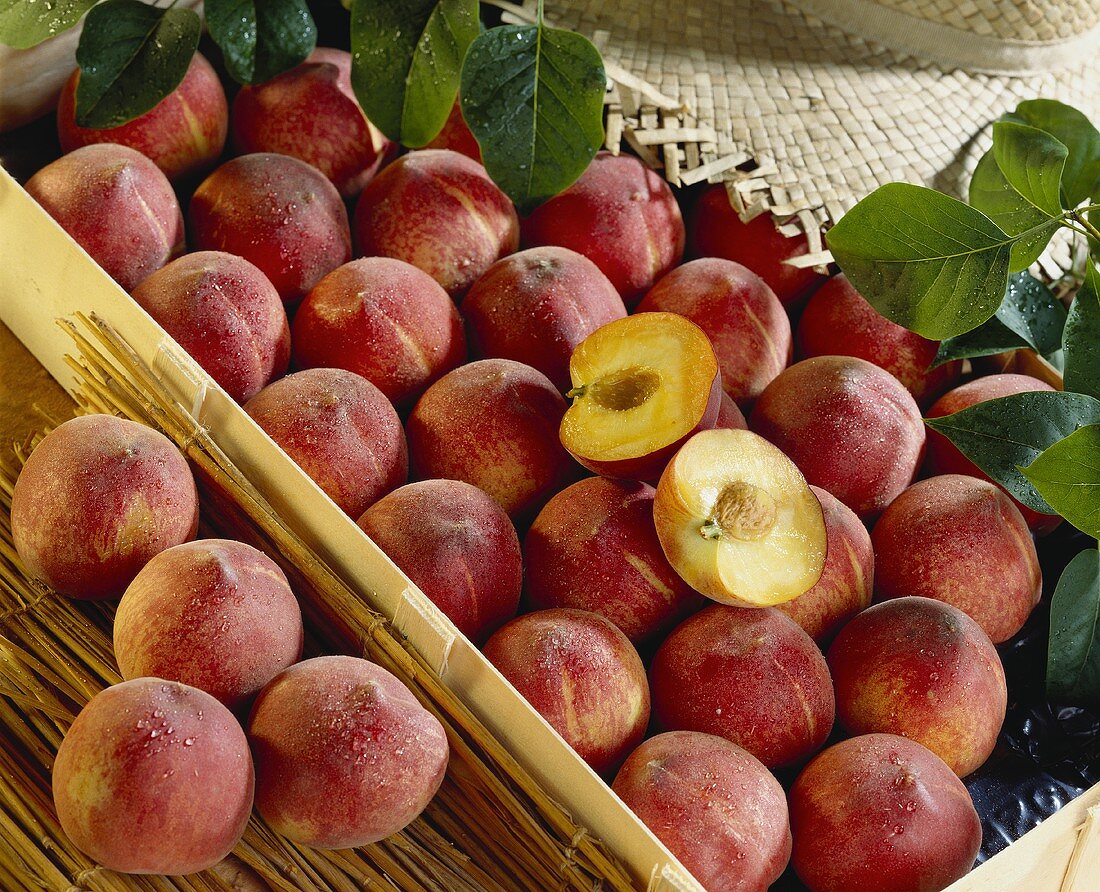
point(801, 117)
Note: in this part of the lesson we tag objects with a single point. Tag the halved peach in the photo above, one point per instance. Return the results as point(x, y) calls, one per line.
point(738, 521)
point(641, 386)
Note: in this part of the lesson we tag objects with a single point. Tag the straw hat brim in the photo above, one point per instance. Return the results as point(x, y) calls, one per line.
point(821, 115)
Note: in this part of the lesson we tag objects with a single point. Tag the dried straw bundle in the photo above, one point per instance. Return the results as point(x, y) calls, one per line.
point(490, 828)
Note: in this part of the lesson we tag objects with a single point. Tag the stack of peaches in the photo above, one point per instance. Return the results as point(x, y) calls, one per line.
point(684, 572)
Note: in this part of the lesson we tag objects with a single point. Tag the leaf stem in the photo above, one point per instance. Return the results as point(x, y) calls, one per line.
point(1091, 230)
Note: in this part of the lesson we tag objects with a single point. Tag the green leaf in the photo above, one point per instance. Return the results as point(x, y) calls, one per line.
point(988, 339)
point(406, 62)
point(1017, 184)
point(1081, 177)
point(25, 24)
point(1000, 436)
point(260, 39)
point(533, 98)
point(131, 56)
point(1073, 654)
point(1067, 476)
point(1081, 338)
point(923, 259)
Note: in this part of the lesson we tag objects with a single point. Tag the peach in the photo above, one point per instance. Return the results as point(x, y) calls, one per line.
point(183, 134)
point(850, 426)
point(340, 430)
point(962, 541)
point(944, 457)
point(276, 212)
point(642, 386)
point(716, 230)
point(881, 813)
point(738, 521)
point(96, 500)
point(456, 135)
point(594, 547)
point(743, 318)
point(537, 306)
point(310, 112)
point(838, 321)
point(225, 313)
point(750, 676)
point(493, 423)
point(385, 320)
point(117, 205)
point(345, 754)
point(457, 544)
point(730, 416)
point(582, 675)
point(715, 807)
point(213, 614)
point(620, 215)
point(153, 777)
point(924, 670)
point(847, 581)
point(439, 211)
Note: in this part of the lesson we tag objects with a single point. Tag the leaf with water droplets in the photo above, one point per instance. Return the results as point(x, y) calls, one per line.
point(1073, 653)
point(1081, 176)
point(260, 40)
point(25, 24)
point(1067, 476)
point(131, 56)
point(1081, 338)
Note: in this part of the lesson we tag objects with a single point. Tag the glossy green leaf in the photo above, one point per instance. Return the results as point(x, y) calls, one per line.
point(1081, 177)
point(25, 24)
point(1073, 654)
point(131, 56)
point(407, 61)
point(1000, 436)
point(1081, 338)
point(923, 259)
point(1067, 476)
point(260, 39)
point(533, 98)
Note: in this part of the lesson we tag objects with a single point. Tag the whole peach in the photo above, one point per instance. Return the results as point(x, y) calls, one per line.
point(385, 320)
point(457, 544)
point(456, 135)
point(96, 500)
point(730, 415)
point(117, 205)
point(960, 540)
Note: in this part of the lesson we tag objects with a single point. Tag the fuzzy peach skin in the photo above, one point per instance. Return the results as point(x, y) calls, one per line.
point(345, 754)
point(962, 541)
point(536, 306)
point(880, 813)
point(715, 230)
point(456, 135)
point(730, 416)
point(276, 212)
point(385, 320)
point(944, 457)
point(741, 315)
point(749, 675)
point(154, 777)
point(493, 423)
point(439, 211)
point(620, 215)
point(226, 314)
point(340, 430)
point(847, 582)
point(924, 670)
point(310, 112)
point(715, 807)
point(183, 134)
point(850, 426)
point(214, 614)
point(839, 321)
point(459, 547)
point(96, 500)
point(582, 675)
point(117, 205)
point(594, 547)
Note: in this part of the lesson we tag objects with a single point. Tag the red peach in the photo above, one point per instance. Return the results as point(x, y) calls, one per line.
point(340, 429)
point(730, 416)
point(385, 320)
point(536, 306)
point(456, 135)
point(620, 215)
point(457, 544)
point(183, 134)
point(439, 211)
point(117, 205)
